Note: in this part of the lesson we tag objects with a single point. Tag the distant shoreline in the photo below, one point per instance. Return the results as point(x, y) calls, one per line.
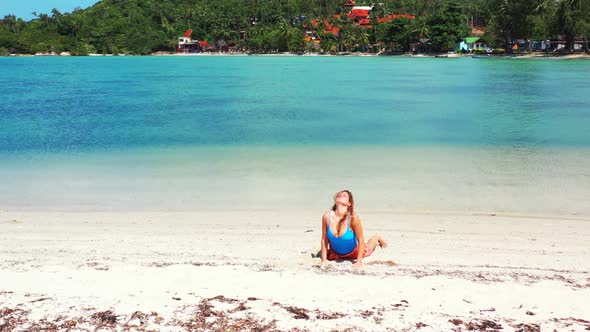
point(573, 56)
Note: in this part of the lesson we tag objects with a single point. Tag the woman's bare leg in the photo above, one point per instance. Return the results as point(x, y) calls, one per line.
point(382, 243)
point(376, 240)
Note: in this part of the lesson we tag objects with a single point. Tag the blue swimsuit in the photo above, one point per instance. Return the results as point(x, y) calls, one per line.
point(344, 244)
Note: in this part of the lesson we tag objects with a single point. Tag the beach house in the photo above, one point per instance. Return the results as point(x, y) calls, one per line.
point(473, 44)
point(559, 44)
point(187, 45)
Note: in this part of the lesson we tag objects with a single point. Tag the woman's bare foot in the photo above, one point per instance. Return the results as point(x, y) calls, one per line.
point(382, 243)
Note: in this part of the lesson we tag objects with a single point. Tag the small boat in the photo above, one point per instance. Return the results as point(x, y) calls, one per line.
point(481, 56)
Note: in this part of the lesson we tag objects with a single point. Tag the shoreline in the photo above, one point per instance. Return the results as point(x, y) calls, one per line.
point(258, 270)
point(542, 183)
point(575, 56)
point(398, 212)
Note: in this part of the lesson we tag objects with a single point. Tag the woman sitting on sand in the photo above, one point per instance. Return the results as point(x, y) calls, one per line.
point(342, 232)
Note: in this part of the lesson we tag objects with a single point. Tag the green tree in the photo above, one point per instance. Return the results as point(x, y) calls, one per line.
point(400, 33)
point(572, 20)
point(144, 26)
point(329, 45)
point(512, 19)
point(363, 39)
point(447, 26)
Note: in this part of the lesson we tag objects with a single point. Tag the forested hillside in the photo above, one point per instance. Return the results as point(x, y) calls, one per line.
point(145, 26)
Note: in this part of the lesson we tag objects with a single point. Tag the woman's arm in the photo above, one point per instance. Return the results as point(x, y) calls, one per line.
point(357, 228)
point(324, 245)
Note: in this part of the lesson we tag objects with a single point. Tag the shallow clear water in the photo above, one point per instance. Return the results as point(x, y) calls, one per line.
point(262, 132)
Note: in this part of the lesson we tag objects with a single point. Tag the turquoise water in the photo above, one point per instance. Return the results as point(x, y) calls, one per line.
point(80, 104)
point(207, 132)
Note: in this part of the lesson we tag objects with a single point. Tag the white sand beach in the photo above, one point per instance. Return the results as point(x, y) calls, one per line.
point(248, 270)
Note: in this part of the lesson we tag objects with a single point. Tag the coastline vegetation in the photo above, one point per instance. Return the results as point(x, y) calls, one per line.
point(268, 26)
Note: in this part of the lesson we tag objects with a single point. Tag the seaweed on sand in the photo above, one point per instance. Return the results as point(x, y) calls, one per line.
point(527, 328)
point(104, 318)
point(298, 313)
point(483, 325)
point(11, 318)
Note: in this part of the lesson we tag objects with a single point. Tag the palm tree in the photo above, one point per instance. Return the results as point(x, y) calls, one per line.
point(221, 35)
point(55, 13)
point(11, 22)
point(421, 27)
point(363, 39)
point(285, 33)
point(45, 20)
point(55, 17)
point(374, 17)
point(329, 45)
point(74, 26)
point(348, 38)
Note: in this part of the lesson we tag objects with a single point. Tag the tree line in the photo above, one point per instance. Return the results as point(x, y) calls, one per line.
point(145, 26)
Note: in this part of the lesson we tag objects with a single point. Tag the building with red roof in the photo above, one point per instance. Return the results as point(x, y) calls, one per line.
point(360, 15)
point(187, 45)
point(329, 28)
